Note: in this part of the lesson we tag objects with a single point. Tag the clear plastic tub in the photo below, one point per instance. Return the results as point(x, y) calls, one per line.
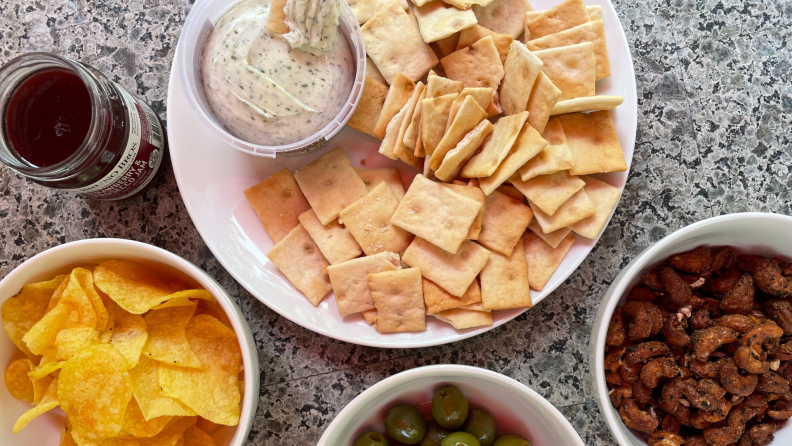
point(200, 23)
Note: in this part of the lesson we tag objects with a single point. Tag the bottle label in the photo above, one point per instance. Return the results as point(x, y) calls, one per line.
point(140, 159)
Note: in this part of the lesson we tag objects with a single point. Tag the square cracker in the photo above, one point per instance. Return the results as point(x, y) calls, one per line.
point(278, 202)
point(556, 156)
point(388, 144)
point(434, 119)
point(544, 96)
point(456, 158)
point(527, 146)
point(543, 260)
point(350, 282)
point(504, 281)
point(605, 198)
point(371, 316)
point(390, 175)
point(330, 184)
point(554, 238)
point(571, 68)
point(300, 260)
point(403, 152)
point(436, 213)
point(414, 126)
point(334, 240)
point(593, 32)
point(496, 147)
point(437, 86)
point(504, 222)
point(452, 272)
point(577, 208)
point(594, 143)
point(590, 103)
point(368, 219)
point(365, 117)
point(485, 97)
point(400, 92)
point(438, 20)
point(520, 71)
point(475, 33)
point(476, 66)
point(448, 45)
point(511, 191)
point(366, 9)
point(398, 296)
point(503, 16)
point(395, 45)
point(474, 193)
point(437, 299)
point(276, 20)
point(470, 114)
point(549, 192)
point(564, 15)
point(462, 319)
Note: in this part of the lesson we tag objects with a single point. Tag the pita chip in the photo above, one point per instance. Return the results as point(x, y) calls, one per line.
point(543, 260)
point(276, 21)
point(456, 158)
point(496, 147)
point(300, 260)
point(511, 191)
point(438, 20)
point(577, 208)
point(549, 192)
point(462, 319)
point(594, 143)
point(475, 33)
point(504, 222)
point(485, 98)
point(593, 32)
point(565, 15)
point(434, 119)
point(527, 146)
point(334, 240)
point(390, 175)
point(350, 282)
point(452, 272)
point(366, 9)
point(436, 213)
point(520, 71)
point(371, 316)
point(330, 184)
point(474, 193)
point(592, 103)
point(503, 16)
point(398, 296)
point(605, 198)
point(394, 43)
point(368, 219)
point(556, 156)
point(449, 44)
point(368, 110)
point(594, 12)
point(388, 143)
point(504, 281)
point(437, 86)
point(438, 299)
point(476, 66)
point(278, 202)
point(544, 96)
point(413, 128)
point(400, 92)
point(403, 152)
point(571, 68)
point(373, 72)
point(554, 238)
point(470, 114)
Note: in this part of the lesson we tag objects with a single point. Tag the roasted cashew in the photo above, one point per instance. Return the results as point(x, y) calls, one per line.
point(739, 300)
point(698, 261)
point(779, 411)
point(751, 356)
point(646, 320)
point(737, 322)
point(662, 438)
point(658, 368)
point(736, 384)
point(780, 311)
point(710, 339)
point(613, 359)
point(635, 418)
point(630, 371)
point(645, 351)
point(676, 289)
point(769, 278)
point(772, 382)
point(615, 336)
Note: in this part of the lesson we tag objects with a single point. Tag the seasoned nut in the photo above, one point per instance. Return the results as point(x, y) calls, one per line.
point(737, 322)
point(779, 411)
point(674, 330)
point(697, 261)
point(720, 285)
point(721, 258)
point(781, 312)
point(676, 289)
point(630, 372)
point(615, 334)
point(616, 395)
point(704, 369)
point(748, 263)
point(641, 294)
point(751, 356)
point(708, 340)
point(700, 320)
point(671, 400)
point(739, 300)
point(613, 359)
point(646, 320)
point(656, 369)
point(769, 279)
point(641, 393)
point(645, 351)
point(652, 280)
point(635, 418)
point(736, 384)
point(661, 438)
point(613, 379)
point(722, 436)
point(671, 424)
point(772, 382)
point(704, 419)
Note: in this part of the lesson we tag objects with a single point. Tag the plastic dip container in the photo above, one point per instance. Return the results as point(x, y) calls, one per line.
point(200, 23)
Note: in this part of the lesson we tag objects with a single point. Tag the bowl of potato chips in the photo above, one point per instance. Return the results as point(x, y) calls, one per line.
point(114, 342)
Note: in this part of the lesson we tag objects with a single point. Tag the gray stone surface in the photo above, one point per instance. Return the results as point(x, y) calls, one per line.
point(715, 102)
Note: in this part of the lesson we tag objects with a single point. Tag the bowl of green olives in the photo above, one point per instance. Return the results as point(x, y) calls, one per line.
point(449, 405)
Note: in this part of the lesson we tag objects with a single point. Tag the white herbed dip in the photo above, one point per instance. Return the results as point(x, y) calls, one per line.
point(262, 90)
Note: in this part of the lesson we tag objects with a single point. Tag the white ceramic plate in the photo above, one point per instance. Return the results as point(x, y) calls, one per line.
point(212, 175)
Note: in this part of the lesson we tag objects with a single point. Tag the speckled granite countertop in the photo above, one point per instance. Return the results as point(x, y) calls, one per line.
point(714, 137)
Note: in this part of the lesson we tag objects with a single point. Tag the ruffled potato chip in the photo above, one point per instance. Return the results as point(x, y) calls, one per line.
point(217, 347)
point(45, 368)
point(85, 278)
point(42, 335)
point(21, 312)
point(206, 425)
point(196, 437)
point(47, 403)
point(17, 381)
point(95, 389)
point(84, 314)
point(131, 285)
point(69, 341)
point(166, 336)
point(170, 436)
point(129, 334)
point(182, 298)
point(148, 394)
point(136, 425)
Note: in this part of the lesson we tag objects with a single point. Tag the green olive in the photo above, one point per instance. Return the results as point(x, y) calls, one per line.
point(371, 439)
point(460, 439)
point(434, 434)
point(405, 424)
point(511, 440)
point(482, 426)
point(449, 407)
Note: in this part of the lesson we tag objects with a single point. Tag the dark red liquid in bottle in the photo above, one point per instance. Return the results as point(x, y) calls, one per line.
point(48, 117)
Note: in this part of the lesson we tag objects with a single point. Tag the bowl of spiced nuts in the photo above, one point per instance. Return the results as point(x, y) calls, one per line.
point(693, 341)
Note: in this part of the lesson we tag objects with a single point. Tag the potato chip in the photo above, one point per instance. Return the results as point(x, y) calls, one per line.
point(593, 32)
point(564, 15)
point(148, 393)
point(474, 193)
point(527, 146)
point(369, 221)
point(475, 33)
point(434, 120)
point(350, 283)
point(438, 20)
point(194, 436)
point(437, 299)
point(58, 294)
point(594, 143)
point(496, 147)
point(544, 96)
point(277, 201)
point(129, 335)
point(571, 68)
point(390, 175)
point(66, 438)
point(94, 389)
point(400, 91)
point(17, 381)
point(166, 341)
point(462, 319)
point(599, 102)
point(549, 192)
point(135, 423)
point(40, 387)
point(132, 286)
point(457, 157)
point(49, 365)
point(47, 403)
point(476, 66)
point(398, 296)
point(42, 335)
point(605, 198)
point(504, 222)
point(577, 208)
point(69, 341)
point(369, 107)
point(182, 298)
point(172, 435)
point(21, 312)
point(504, 281)
point(520, 68)
point(503, 16)
point(543, 259)
point(555, 157)
point(470, 114)
point(553, 238)
point(216, 346)
point(86, 281)
point(452, 272)
point(334, 240)
point(206, 425)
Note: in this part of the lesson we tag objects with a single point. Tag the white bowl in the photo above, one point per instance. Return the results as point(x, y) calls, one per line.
point(757, 233)
point(516, 408)
point(45, 430)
